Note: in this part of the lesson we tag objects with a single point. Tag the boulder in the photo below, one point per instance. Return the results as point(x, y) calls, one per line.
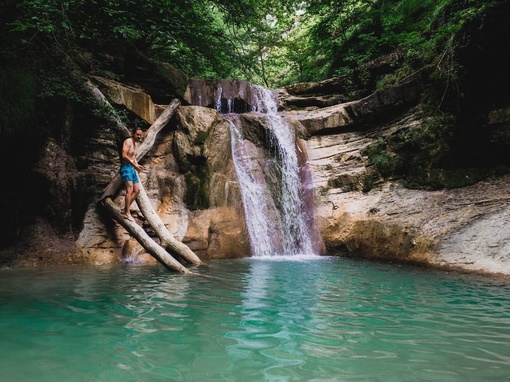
point(161, 81)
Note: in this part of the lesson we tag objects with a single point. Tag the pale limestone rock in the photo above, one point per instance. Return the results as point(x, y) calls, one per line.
point(228, 236)
point(193, 123)
point(133, 98)
point(223, 186)
point(460, 228)
point(131, 250)
point(197, 234)
point(218, 233)
point(326, 118)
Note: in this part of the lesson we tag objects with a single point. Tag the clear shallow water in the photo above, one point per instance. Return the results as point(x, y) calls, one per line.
point(322, 319)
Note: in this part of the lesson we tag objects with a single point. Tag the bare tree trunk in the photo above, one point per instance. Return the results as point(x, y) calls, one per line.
point(167, 240)
point(145, 240)
point(118, 127)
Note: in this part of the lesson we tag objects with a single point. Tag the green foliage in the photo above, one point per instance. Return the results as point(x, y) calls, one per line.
point(384, 163)
point(19, 89)
point(415, 149)
point(367, 183)
point(182, 32)
point(439, 178)
point(426, 144)
point(347, 34)
point(267, 42)
point(424, 156)
point(201, 137)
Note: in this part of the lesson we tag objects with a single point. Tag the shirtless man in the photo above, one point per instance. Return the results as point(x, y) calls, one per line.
point(129, 169)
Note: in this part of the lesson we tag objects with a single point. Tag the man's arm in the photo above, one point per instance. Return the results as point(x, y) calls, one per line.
point(126, 148)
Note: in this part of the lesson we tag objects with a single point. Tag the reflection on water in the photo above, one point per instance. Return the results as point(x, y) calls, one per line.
point(291, 319)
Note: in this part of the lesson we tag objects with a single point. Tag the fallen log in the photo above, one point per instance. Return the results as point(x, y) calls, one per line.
point(145, 240)
point(167, 240)
point(115, 184)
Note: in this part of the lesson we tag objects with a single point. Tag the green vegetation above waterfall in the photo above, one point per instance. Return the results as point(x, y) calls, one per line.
point(272, 43)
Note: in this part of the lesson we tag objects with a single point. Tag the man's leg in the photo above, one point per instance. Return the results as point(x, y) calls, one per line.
point(129, 198)
point(136, 190)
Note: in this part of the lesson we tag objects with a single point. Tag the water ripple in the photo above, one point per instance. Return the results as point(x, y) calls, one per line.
point(297, 320)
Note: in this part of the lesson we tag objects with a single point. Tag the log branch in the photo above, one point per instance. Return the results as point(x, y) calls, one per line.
point(143, 202)
point(112, 189)
point(145, 240)
point(167, 240)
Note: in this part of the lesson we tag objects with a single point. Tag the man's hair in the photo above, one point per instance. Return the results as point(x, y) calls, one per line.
point(135, 129)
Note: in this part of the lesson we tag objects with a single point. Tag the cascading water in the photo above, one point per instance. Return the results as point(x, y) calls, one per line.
point(276, 215)
point(268, 238)
point(253, 192)
point(295, 233)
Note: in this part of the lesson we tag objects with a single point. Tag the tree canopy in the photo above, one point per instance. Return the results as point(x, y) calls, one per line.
point(269, 42)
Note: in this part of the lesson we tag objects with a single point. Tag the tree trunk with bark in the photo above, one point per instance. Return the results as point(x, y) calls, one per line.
point(121, 132)
point(167, 240)
point(145, 240)
point(150, 137)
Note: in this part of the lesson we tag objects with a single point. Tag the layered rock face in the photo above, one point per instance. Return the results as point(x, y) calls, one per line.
point(191, 180)
point(458, 228)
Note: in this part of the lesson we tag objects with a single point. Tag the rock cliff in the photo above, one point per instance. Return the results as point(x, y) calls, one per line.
point(191, 181)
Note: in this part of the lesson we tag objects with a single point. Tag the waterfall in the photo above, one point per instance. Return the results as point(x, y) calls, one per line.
point(293, 235)
point(267, 237)
point(253, 193)
point(279, 221)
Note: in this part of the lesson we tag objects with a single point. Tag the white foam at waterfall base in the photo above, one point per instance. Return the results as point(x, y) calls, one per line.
point(296, 257)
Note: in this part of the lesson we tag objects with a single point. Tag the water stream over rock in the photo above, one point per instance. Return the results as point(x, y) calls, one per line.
point(269, 170)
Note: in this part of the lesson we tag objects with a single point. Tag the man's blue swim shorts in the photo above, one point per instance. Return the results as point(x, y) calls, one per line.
point(128, 172)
